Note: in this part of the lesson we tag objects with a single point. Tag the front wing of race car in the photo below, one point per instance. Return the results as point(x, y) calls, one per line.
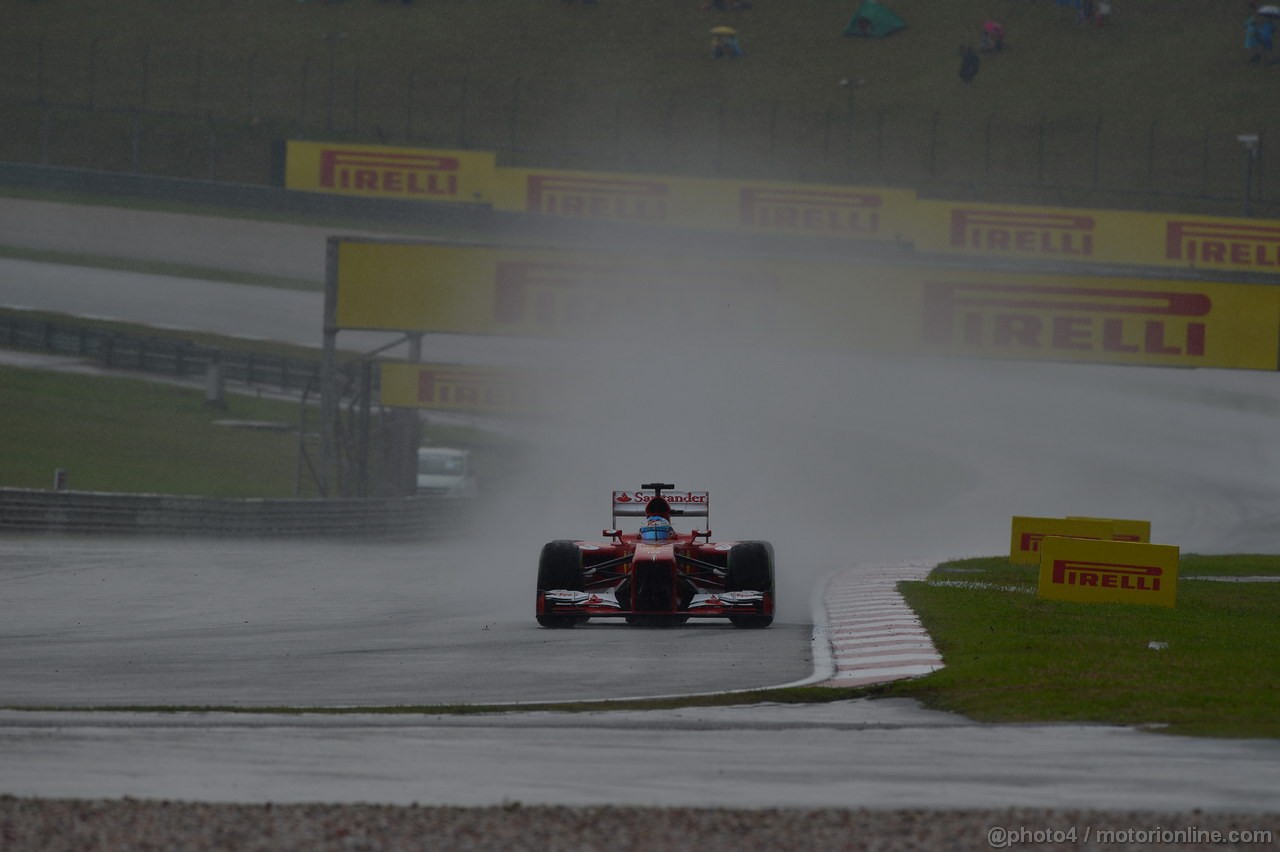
point(702, 605)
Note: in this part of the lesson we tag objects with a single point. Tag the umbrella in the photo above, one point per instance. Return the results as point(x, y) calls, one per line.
point(723, 31)
point(1270, 11)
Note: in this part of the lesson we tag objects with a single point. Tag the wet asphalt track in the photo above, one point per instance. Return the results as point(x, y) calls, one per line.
point(112, 622)
point(121, 622)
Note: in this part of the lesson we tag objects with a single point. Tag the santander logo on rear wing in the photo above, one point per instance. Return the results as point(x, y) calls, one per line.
point(631, 504)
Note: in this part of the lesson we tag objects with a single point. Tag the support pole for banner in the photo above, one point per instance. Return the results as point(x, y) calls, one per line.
point(1250, 143)
point(328, 369)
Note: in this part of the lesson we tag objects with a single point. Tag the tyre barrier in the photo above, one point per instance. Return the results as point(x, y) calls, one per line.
point(98, 513)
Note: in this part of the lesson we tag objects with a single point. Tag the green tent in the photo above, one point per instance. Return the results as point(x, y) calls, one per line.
point(874, 20)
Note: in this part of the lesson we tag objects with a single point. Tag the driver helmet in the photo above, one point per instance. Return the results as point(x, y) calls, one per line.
point(656, 528)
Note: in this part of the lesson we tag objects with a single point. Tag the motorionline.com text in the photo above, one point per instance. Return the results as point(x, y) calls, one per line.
point(1003, 837)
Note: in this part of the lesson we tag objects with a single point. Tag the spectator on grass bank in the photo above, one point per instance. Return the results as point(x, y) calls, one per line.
point(992, 37)
point(724, 43)
point(969, 64)
point(1259, 31)
point(1086, 12)
point(1104, 12)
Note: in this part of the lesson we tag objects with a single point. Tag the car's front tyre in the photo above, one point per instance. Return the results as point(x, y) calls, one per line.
point(559, 567)
point(750, 568)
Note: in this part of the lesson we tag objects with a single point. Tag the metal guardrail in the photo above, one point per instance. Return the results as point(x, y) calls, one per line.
point(242, 196)
point(98, 513)
point(159, 355)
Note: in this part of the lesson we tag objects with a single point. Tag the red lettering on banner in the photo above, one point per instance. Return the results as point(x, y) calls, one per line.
point(1107, 575)
point(473, 388)
point(1072, 333)
point(564, 295)
point(1024, 232)
point(1030, 541)
point(1222, 242)
point(811, 211)
point(1113, 337)
point(371, 170)
point(597, 198)
point(1065, 319)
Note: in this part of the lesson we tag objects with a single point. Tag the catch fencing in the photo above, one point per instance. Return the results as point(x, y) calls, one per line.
point(215, 116)
point(167, 356)
point(94, 513)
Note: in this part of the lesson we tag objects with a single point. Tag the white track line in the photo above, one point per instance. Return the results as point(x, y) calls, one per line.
point(874, 636)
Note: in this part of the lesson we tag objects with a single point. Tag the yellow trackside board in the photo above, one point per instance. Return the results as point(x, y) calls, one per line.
point(380, 171)
point(455, 387)
point(1125, 530)
point(1073, 569)
point(1028, 532)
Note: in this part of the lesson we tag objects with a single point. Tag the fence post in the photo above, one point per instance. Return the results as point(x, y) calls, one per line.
point(773, 130)
point(1097, 152)
point(253, 85)
point(719, 136)
point(462, 111)
point(1204, 166)
point(213, 147)
point(1151, 158)
point(933, 148)
point(880, 144)
point(40, 45)
point(617, 129)
point(849, 108)
point(408, 104)
point(46, 133)
point(146, 73)
point(135, 131)
point(93, 74)
point(355, 100)
point(199, 84)
point(986, 160)
point(1040, 154)
point(302, 99)
point(515, 115)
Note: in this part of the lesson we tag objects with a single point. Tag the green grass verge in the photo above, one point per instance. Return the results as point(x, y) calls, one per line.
point(138, 436)
point(1012, 657)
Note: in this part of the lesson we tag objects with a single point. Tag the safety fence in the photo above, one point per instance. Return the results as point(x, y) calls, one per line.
point(95, 513)
point(166, 356)
point(213, 116)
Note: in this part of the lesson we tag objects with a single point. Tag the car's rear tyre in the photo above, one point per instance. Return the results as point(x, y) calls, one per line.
point(560, 567)
point(750, 568)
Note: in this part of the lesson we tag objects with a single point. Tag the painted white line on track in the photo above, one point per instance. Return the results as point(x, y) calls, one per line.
point(874, 636)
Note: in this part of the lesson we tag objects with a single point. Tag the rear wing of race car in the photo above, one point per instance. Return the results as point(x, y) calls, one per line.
point(686, 504)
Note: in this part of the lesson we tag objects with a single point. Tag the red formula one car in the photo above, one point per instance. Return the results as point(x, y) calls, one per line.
point(656, 576)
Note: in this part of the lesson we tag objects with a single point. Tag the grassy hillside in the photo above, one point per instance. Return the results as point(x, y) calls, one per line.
point(1143, 112)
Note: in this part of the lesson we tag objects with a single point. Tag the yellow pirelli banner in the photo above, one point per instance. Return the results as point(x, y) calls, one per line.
point(454, 387)
point(763, 207)
point(380, 171)
point(813, 305)
point(1123, 529)
point(1053, 234)
point(1108, 572)
point(1027, 534)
